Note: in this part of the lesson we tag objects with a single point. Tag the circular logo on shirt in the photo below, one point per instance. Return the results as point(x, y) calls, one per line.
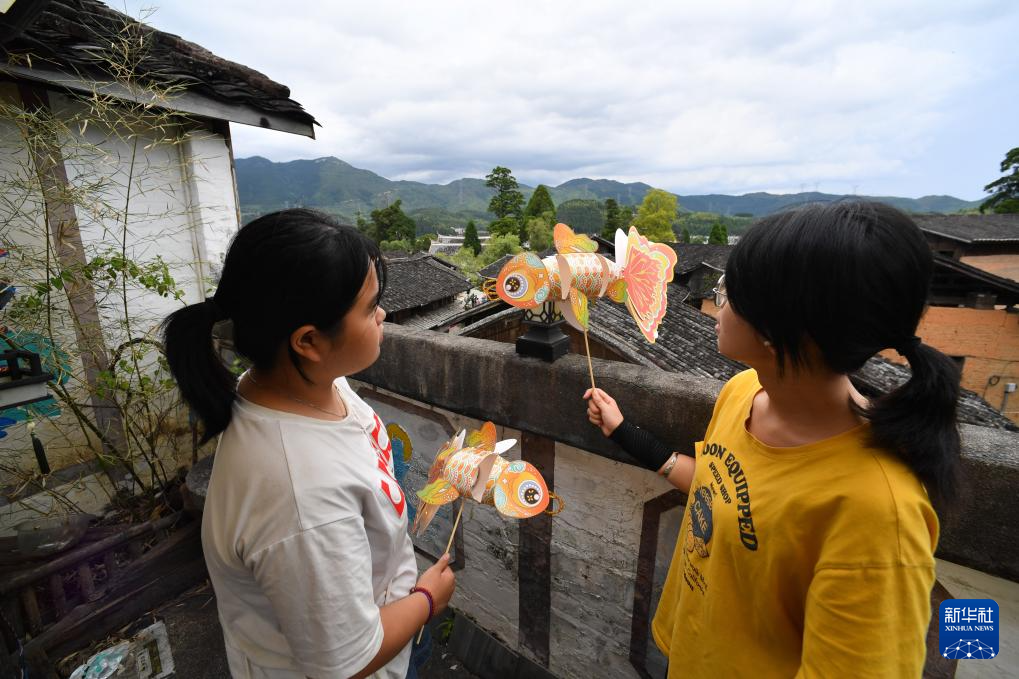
point(701, 526)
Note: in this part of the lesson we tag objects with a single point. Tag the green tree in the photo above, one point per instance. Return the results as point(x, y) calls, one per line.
point(539, 234)
point(391, 224)
point(540, 203)
point(655, 216)
point(718, 235)
point(396, 246)
point(581, 215)
point(1004, 190)
point(423, 243)
point(471, 239)
point(685, 235)
point(507, 201)
point(361, 222)
point(467, 262)
point(613, 219)
point(505, 226)
point(497, 246)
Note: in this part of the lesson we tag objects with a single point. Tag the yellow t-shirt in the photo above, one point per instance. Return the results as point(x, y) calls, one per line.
point(813, 561)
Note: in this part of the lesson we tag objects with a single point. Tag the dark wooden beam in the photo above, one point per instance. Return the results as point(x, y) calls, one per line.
point(534, 561)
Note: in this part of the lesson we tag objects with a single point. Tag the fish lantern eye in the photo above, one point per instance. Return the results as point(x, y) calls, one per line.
point(529, 493)
point(515, 286)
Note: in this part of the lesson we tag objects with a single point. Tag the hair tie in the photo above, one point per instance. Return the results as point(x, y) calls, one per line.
point(907, 345)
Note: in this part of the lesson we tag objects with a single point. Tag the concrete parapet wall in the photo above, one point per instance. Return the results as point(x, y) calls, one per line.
point(488, 380)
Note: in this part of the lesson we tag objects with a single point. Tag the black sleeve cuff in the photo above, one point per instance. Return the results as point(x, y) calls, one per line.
point(642, 445)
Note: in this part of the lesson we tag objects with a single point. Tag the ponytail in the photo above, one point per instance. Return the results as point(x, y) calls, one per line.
point(203, 379)
point(917, 421)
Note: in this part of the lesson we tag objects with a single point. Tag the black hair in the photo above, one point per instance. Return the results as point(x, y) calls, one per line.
point(853, 276)
point(283, 270)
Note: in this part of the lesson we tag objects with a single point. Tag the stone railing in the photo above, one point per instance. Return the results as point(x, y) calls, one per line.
point(572, 596)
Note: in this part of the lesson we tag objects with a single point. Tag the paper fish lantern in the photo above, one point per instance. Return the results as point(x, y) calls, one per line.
point(638, 278)
point(471, 467)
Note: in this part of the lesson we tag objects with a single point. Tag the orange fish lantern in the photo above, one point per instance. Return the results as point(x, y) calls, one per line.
point(639, 278)
point(470, 466)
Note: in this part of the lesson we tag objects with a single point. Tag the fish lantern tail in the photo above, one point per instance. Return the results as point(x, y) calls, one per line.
point(425, 514)
point(436, 494)
point(647, 273)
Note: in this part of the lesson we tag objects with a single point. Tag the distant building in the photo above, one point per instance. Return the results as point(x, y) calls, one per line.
point(449, 245)
point(423, 291)
point(989, 242)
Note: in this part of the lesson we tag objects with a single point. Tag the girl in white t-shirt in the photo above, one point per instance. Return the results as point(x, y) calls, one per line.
point(305, 527)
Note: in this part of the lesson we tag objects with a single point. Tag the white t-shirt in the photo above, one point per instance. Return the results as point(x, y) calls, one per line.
point(305, 537)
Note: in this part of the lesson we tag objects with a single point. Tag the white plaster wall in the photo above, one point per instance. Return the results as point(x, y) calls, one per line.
point(595, 545)
point(182, 209)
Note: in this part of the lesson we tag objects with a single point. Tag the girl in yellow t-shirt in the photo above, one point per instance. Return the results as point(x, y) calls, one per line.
point(808, 539)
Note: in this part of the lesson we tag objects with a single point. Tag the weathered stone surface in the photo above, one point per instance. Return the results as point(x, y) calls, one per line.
point(982, 530)
point(487, 380)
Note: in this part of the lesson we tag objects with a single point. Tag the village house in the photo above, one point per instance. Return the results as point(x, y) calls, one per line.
point(423, 291)
point(130, 169)
point(183, 196)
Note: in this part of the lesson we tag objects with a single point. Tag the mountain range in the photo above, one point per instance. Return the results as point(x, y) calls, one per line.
point(336, 186)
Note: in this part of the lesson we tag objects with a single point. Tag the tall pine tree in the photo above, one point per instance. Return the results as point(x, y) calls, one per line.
point(613, 219)
point(719, 234)
point(1004, 191)
point(540, 203)
point(507, 201)
point(471, 239)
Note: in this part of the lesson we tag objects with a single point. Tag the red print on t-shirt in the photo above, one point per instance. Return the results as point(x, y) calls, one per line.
point(385, 455)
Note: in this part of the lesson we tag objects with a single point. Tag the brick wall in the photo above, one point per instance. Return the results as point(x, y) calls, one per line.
point(988, 343)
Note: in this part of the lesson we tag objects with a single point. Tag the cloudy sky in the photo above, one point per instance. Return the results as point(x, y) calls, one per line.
point(878, 97)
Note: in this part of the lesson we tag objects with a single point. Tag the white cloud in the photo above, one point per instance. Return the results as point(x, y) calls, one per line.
point(701, 97)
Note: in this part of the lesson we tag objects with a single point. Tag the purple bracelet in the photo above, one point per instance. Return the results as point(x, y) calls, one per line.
point(431, 601)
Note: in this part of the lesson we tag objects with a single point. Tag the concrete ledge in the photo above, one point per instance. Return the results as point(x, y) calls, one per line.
point(982, 530)
point(487, 380)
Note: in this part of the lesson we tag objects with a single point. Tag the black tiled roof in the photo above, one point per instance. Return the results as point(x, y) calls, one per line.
point(493, 269)
point(686, 339)
point(67, 35)
point(691, 255)
point(419, 281)
point(987, 228)
point(879, 376)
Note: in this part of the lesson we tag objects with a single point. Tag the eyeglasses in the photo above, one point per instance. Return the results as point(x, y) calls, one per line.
point(720, 297)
